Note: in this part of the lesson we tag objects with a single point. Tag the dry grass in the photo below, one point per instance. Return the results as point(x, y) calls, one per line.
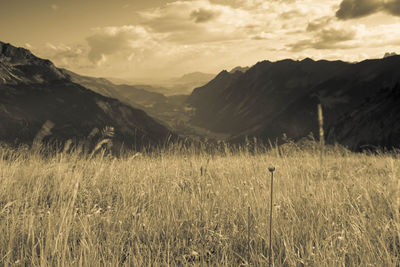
point(158, 210)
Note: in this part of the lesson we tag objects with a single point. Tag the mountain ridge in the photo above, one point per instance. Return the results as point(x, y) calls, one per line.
point(273, 98)
point(33, 91)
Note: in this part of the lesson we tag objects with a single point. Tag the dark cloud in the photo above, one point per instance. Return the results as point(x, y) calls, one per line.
point(357, 8)
point(202, 15)
point(350, 9)
point(326, 39)
point(393, 7)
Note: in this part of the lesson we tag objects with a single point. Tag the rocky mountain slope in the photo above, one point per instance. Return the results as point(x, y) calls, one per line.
point(374, 123)
point(206, 99)
point(273, 98)
point(246, 101)
point(33, 91)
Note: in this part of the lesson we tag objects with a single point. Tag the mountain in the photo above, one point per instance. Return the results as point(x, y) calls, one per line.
point(343, 93)
point(33, 91)
point(167, 110)
point(375, 122)
point(185, 84)
point(117, 80)
point(240, 69)
point(132, 95)
point(194, 78)
point(389, 54)
point(98, 85)
point(155, 89)
point(206, 97)
point(247, 101)
point(273, 98)
point(182, 85)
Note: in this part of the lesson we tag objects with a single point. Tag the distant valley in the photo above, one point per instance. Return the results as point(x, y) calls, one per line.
point(268, 100)
point(182, 85)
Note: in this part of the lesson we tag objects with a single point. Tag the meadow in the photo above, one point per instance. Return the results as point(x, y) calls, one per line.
point(184, 207)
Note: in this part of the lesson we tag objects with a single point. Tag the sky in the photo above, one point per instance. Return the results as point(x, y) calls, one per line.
point(157, 39)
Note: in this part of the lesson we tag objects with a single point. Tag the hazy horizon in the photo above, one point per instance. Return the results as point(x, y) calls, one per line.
point(160, 39)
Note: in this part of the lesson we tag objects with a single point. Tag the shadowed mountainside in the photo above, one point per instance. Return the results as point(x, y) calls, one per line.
point(375, 122)
point(273, 98)
point(244, 102)
point(33, 91)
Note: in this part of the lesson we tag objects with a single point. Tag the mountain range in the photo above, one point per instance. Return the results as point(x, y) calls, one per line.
point(268, 100)
point(272, 98)
point(166, 110)
point(33, 91)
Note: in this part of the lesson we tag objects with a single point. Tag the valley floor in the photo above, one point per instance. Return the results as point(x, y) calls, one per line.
point(181, 208)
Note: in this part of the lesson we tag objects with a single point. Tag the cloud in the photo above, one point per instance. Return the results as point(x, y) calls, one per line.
point(264, 36)
point(117, 40)
point(201, 21)
point(64, 56)
point(380, 36)
point(318, 23)
point(350, 9)
point(177, 37)
point(393, 7)
point(173, 17)
point(334, 35)
point(203, 15)
point(291, 14)
point(183, 36)
point(327, 38)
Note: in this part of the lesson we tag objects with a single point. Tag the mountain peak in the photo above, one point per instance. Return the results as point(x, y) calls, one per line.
point(15, 54)
point(197, 76)
point(19, 65)
point(33, 90)
point(240, 69)
point(307, 59)
point(388, 54)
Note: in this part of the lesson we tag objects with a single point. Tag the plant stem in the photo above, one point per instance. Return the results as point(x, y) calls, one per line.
point(270, 220)
point(248, 235)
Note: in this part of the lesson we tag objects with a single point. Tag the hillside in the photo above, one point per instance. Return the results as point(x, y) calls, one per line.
point(375, 123)
point(273, 98)
point(241, 102)
point(136, 97)
point(167, 110)
point(343, 93)
point(205, 98)
point(33, 91)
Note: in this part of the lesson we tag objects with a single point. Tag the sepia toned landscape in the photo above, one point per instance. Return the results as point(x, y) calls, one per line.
point(200, 133)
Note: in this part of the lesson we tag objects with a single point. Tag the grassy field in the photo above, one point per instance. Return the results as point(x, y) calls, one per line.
point(174, 208)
